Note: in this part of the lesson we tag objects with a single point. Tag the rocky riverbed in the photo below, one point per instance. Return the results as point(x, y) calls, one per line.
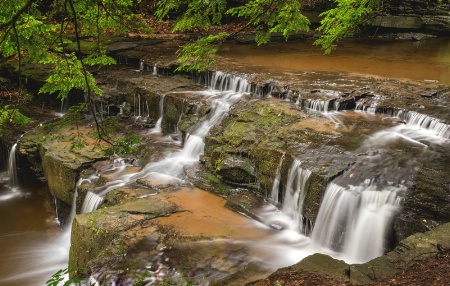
point(325, 120)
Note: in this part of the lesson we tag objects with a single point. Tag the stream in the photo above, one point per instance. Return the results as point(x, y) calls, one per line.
point(33, 246)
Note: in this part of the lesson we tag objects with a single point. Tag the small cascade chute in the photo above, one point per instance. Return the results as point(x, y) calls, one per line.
point(317, 105)
point(275, 188)
point(296, 188)
point(226, 82)
point(91, 202)
point(158, 126)
point(275, 193)
point(423, 121)
point(12, 168)
point(351, 218)
point(62, 112)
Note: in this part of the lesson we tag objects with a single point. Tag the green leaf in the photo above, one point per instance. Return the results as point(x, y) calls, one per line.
point(344, 21)
point(199, 55)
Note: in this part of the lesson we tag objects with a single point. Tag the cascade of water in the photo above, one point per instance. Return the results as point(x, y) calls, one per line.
point(296, 193)
point(232, 89)
point(161, 112)
point(194, 143)
point(12, 168)
point(275, 188)
point(155, 70)
point(62, 107)
point(317, 105)
point(226, 82)
point(353, 218)
point(121, 107)
point(336, 105)
point(417, 119)
point(139, 104)
point(56, 210)
point(274, 194)
point(372, 108)
point(134, 104)
point(141, 65)
point(91, 202)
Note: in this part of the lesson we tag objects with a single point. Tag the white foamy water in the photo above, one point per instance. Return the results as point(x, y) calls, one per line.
point(158, 128)
point(12, 168)
point(230, 90)
point(353, 218)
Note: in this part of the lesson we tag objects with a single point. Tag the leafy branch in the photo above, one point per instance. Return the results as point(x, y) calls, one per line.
point(345, 20)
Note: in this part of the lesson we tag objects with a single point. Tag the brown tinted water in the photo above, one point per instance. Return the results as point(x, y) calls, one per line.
point(30, 252)
point(27, 223)
point(398, 59)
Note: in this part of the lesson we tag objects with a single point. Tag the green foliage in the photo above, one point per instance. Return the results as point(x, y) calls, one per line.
point(77, 142)
point(198, 13)
point(344, 21)
point(198, 55)
point(43, 34)
point(75, 115)
point(67, 75)
point(43, 37)
point(60, 276)
point(272, 16)
point(124, 145)
point(13, 116)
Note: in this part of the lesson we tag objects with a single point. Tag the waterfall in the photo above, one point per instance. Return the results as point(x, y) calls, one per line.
point(276, 188)
point(155, 70)
point(12, 168)
point(91, 202)
point(62, 107)
point(158, 127)
point(194, 143)
point(295, 193)
point(337, 104)
point(226, 82)
point(232, 88)
point(139, 105)
point(351, 219)
point(274, 195)
point(317, 105)
point(423, 121)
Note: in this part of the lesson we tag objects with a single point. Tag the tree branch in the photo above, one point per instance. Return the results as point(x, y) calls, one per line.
point(100, 131)
point(16, 16)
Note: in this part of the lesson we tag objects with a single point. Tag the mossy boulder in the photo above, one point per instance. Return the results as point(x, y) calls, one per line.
point(51, 149)
point(106, 235)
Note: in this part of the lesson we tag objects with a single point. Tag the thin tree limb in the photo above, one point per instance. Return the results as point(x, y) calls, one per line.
point(17, 15)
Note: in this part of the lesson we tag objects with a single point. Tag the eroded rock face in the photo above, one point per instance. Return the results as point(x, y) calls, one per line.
point(260, 137)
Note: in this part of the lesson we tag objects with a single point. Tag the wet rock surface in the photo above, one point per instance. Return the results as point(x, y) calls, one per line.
point(285, 117)
point(420, 259)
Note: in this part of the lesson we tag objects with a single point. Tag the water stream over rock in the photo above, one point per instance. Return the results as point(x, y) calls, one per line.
point(388, 147)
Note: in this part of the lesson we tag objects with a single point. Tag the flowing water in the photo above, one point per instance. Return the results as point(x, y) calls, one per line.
point(31, 246)
point(12, 168)
point(357, 207)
